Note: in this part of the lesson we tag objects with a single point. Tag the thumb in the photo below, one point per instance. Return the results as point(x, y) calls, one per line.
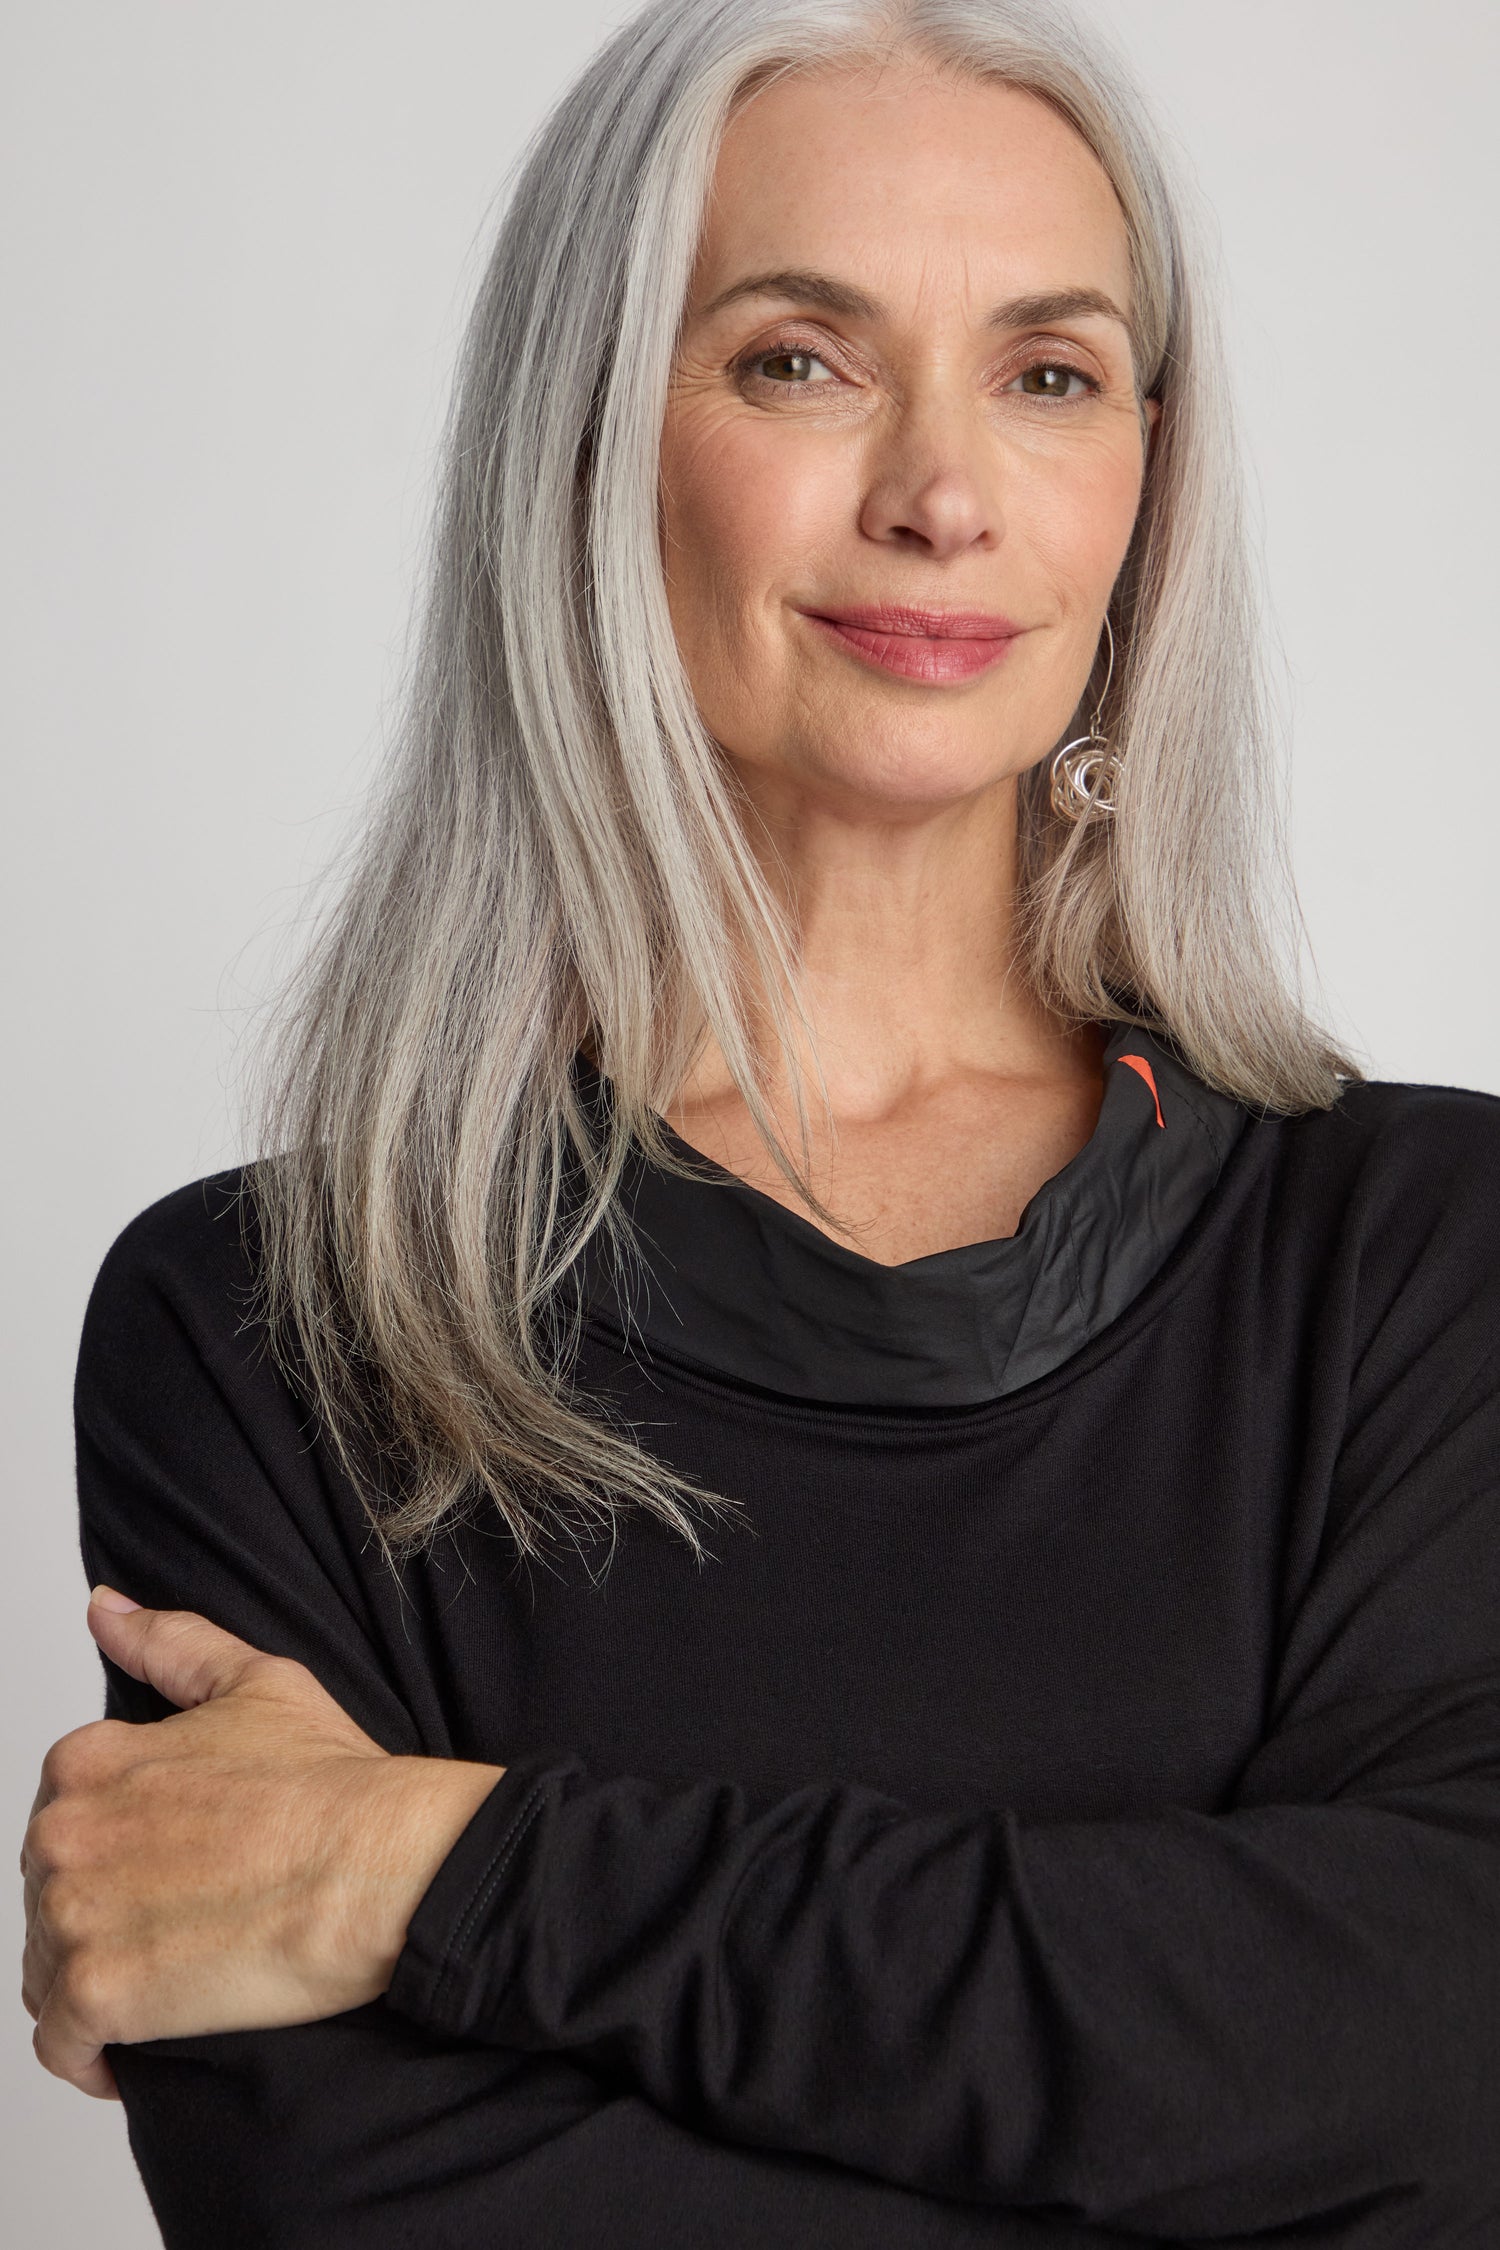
point(175, 1651)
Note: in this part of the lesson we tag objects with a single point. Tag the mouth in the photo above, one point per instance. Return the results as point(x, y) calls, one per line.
point(930, 645)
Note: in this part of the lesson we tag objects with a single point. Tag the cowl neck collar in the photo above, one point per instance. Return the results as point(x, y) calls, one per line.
point(736, 1283)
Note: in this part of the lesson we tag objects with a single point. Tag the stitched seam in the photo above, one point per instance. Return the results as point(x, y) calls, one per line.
point(1208, 1124)
point(526, 1812)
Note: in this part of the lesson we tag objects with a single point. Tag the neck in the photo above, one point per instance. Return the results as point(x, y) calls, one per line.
point(910, 970)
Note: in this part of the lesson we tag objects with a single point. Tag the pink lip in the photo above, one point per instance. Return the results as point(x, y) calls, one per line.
point(920, 644)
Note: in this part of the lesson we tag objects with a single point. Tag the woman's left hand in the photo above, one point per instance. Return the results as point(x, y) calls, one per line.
point(251, 1861)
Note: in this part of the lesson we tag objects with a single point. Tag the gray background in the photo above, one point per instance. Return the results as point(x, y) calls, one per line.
point(242, 241)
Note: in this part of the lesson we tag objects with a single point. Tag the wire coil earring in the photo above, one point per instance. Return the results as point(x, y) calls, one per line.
point(1084, 770)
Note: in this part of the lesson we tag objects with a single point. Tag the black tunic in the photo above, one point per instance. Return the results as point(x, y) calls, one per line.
point(1067, 1817)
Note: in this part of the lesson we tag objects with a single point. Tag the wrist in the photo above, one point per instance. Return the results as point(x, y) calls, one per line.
point(405, 1816)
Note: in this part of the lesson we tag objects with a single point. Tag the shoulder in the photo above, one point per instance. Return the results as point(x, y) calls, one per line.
point(1426, 1148)
point(189, 1230)
point(1392, 1109)
point(182, 1273)
point(1392, 1197)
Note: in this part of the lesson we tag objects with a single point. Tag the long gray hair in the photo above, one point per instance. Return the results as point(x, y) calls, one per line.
point(557, 853)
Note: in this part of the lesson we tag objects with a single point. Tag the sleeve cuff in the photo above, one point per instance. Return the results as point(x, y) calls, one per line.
point(435, 1981)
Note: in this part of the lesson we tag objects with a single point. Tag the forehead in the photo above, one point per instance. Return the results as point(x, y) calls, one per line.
point(904, 168)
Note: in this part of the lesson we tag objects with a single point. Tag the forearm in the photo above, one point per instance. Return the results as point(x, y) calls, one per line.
point(1185, 2023)
point(364, 2133)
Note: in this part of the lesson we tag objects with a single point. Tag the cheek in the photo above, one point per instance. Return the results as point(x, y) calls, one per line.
point(1081, 517)
point(744, 511)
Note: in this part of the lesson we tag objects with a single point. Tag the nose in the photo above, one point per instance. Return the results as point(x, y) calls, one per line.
point(935, 483)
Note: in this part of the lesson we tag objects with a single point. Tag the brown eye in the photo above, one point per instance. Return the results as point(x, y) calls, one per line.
point(1050, 379)
point(787, 367)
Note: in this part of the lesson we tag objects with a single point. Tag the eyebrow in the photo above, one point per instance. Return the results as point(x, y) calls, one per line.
point(1035, 311)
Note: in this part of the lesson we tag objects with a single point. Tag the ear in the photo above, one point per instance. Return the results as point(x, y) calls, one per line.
point(1150, 416)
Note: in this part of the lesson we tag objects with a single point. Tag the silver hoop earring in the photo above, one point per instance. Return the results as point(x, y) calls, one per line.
point(1084, 770)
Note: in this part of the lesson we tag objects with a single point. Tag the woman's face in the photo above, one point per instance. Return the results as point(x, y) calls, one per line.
point(904, 385)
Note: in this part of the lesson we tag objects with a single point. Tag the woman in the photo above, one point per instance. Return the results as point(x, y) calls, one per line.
point(977, 1721)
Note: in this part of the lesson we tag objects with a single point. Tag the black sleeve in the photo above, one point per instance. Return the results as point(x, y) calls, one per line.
point(200, 1488)
point(1282, 2015)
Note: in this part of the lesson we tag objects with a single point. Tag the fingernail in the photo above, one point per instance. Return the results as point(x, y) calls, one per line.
point(105, 1597)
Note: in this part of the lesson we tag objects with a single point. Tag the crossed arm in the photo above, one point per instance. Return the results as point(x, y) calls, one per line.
point(1303, 2001)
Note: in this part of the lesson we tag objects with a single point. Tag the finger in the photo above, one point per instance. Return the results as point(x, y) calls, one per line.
point(77, 2060)
point(179, 1653)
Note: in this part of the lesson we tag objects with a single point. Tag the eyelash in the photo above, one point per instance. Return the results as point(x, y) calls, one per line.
point(791, 347)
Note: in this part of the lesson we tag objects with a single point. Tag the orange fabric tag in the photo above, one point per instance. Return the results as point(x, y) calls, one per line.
point(1142, 1069)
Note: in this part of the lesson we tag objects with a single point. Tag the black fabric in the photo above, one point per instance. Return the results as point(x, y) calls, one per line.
point(736, 1282)
point(1073, 1818)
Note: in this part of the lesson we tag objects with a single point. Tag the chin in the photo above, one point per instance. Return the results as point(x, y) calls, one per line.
point(851, 750)
point(935, 755)
point(903, 775)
